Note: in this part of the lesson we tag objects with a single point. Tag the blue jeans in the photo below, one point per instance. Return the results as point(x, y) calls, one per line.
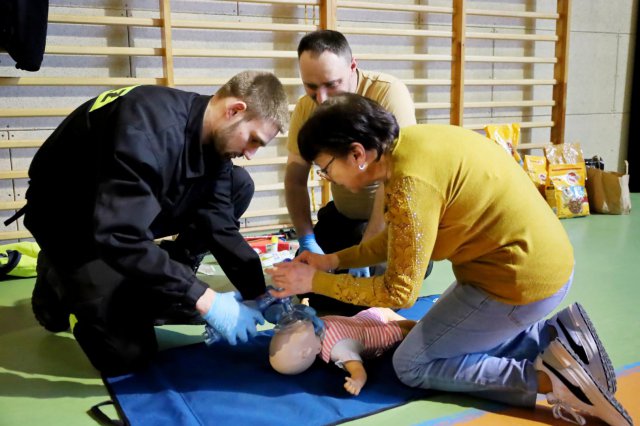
point(469, 342)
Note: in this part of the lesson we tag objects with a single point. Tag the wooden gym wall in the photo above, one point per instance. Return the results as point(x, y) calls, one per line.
point(468, 63)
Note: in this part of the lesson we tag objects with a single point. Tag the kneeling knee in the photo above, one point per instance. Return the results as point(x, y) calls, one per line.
point(408, 371)
point(118, 364)
point(112, 356)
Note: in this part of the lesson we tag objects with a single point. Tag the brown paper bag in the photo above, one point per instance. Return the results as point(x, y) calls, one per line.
point(608, 191)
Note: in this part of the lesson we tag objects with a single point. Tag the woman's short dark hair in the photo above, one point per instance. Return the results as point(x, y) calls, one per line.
point(344, 119)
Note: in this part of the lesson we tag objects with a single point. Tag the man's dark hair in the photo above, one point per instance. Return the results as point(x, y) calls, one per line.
point(321, 41)
point(344, 119)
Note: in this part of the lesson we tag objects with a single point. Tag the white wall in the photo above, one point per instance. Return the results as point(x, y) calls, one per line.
point(603, 36)
point(600, 60)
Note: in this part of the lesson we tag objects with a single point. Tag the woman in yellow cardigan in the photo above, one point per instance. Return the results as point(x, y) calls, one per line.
point(453, 194)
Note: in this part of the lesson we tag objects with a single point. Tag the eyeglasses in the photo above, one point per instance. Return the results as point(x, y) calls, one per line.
point(324, 172)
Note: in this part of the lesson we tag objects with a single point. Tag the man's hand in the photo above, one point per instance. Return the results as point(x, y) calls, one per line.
point(232, 319)
point(308, 243)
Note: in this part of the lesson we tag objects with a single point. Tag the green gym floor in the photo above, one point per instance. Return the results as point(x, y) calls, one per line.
point(46, 380)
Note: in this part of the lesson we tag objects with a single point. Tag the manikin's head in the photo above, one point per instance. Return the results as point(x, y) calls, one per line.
point(294, 348)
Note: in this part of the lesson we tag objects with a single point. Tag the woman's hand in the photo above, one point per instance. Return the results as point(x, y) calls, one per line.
point(297, 277)
point(291, 278)
point(323, 262)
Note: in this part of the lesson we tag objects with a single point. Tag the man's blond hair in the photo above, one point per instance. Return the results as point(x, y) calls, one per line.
point(263, 93)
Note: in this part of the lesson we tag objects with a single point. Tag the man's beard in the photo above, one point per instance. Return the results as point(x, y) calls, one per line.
point(221, 141)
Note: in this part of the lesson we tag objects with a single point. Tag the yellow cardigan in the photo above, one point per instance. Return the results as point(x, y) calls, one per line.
point(456, 195)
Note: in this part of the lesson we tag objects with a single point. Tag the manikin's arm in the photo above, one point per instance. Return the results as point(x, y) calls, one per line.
point(357, 379)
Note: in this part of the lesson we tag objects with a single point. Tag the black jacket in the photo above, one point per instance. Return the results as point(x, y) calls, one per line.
point(131, 164)
point(23, 31)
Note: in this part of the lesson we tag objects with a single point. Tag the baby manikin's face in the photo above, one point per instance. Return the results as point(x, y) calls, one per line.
point(294, 348)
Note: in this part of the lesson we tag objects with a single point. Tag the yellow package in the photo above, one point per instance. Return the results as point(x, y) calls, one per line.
point(536, 168)
point(507, 136)
point(566, 193)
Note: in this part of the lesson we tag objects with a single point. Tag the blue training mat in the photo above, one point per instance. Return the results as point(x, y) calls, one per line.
point(235, 385)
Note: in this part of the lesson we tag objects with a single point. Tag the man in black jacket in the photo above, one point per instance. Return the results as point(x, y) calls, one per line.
point(137, 164)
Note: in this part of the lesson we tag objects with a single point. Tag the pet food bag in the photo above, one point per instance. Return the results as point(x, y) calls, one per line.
point(536, 168)
point(507, 136)
point(566, 193)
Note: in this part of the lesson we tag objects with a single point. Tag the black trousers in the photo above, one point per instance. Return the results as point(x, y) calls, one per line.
point(115, 313)
point(189, 248)
point(335, 232)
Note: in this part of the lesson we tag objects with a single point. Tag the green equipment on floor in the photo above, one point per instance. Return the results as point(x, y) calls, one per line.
point(18, 260)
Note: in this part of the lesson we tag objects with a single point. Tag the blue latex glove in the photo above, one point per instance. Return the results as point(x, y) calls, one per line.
point(308, 242)
point(360, 272)
point(232, 319)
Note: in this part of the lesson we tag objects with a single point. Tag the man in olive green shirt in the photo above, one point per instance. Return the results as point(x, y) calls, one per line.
point(327, 67)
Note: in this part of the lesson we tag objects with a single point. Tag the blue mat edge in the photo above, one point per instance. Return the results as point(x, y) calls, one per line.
point(98, 415)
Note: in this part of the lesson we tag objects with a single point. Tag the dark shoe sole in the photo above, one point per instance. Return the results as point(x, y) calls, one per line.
point(48, 310)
